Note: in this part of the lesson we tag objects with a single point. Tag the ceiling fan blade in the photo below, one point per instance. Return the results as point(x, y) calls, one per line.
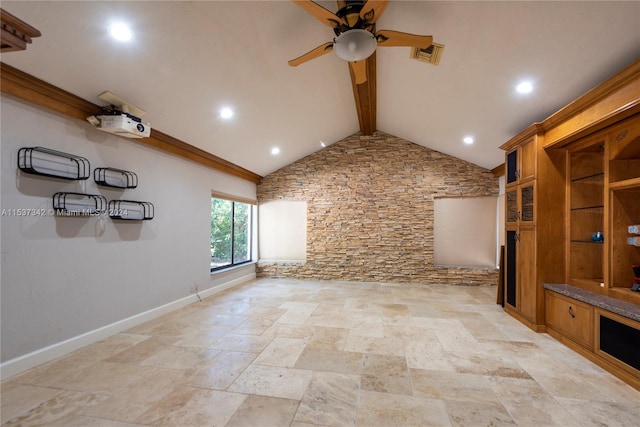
point(320, 13)
point(389, 38)
point(319, 51)
point(359, 70)
point(372, 10)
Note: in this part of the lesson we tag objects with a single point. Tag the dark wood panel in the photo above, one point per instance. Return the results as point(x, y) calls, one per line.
point(365, 97)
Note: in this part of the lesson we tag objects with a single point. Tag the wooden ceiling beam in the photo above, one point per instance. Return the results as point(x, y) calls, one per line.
point(365, 97)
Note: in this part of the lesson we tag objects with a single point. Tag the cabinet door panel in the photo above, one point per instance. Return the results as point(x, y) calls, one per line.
point(527, 160)
point(526, 254)
point(510, 276)
point(512, 166)
point(570, 317)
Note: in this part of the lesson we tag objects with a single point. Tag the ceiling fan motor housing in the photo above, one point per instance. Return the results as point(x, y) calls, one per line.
point(350, 15)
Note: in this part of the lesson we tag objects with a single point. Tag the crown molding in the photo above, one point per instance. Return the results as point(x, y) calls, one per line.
point(29, 88)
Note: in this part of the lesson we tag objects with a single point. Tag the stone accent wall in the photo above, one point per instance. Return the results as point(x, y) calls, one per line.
point(370, 210)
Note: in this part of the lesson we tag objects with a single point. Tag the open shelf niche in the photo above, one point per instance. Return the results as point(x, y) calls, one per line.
point(624, 186)
point(586, 208)
point(52, 163)
point(78, 204)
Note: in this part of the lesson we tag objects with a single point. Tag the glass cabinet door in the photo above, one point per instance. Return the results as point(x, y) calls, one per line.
point(512, 166)
point(512, 206)
point(526, 203)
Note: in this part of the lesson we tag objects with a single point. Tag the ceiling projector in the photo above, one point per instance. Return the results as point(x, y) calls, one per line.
point(123, 124)
point(120, 118)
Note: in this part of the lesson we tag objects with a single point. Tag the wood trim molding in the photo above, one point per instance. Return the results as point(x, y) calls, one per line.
point(29, 88)
point(365, 97)
point(534, 129)
point(233, 198)
point(590, 98)
point(14, 32)
point(595, 117)
point(616, 115)
point(499, 170)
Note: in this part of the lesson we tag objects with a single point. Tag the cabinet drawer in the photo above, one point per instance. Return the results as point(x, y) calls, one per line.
point(573, 319)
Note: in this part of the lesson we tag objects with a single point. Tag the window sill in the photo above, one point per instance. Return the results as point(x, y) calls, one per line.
point(233, 267)
point(262, 262)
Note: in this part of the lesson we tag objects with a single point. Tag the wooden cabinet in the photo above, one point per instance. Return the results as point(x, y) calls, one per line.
point(601, 328)
point(526, 277)
point(585, 181)
point(624, 207)
point(520, 279)
point(520, 183)
point(572, 318)
point(521, 161)
point(604, 200)
point(616, 341)
point(527, 229)
point(572, 190)
point(520, 206)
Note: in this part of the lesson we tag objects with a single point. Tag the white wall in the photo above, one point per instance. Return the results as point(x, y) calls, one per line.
point(63, 277)
point(500, 218)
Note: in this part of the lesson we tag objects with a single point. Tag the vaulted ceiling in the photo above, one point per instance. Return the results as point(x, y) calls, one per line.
point(187, 60)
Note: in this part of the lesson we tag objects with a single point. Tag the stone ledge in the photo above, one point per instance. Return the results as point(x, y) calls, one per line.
point(623, 308)
point(265, 262)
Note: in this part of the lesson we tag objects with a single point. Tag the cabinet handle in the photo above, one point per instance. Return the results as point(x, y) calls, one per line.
point(518, 215)
point(571, 313)
point(516, 237)
point(517, 173)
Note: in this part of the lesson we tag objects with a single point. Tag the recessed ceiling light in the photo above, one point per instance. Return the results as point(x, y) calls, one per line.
point(226, 113)
point(120, 31)
point(524, 87)
point(322, 144)
point(275, 151)
point(468, 140)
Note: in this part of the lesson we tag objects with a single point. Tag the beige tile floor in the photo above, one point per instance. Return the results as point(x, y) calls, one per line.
point(276, 352)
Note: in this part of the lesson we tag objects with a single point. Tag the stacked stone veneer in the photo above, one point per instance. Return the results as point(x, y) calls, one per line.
point(370, 210)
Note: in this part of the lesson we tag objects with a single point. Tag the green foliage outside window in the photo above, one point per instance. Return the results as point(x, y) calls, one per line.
point(242, 232)
point(230, 232)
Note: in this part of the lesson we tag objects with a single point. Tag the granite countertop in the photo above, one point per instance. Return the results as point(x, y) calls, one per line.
point(614, 305)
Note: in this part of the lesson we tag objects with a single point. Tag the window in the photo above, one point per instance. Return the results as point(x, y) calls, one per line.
point(231, 233)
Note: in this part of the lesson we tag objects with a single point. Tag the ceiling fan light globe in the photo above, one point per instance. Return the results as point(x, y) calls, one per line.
point(355, 45)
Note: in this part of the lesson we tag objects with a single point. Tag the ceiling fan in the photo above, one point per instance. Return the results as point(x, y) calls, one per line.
point(356, 38)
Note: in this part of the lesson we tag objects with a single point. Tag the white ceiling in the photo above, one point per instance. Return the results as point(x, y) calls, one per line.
point(188, 59)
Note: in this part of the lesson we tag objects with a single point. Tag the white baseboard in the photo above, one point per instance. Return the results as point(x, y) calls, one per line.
point(30, 360)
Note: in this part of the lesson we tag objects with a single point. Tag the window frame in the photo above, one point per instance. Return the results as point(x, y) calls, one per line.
point(251, 204)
